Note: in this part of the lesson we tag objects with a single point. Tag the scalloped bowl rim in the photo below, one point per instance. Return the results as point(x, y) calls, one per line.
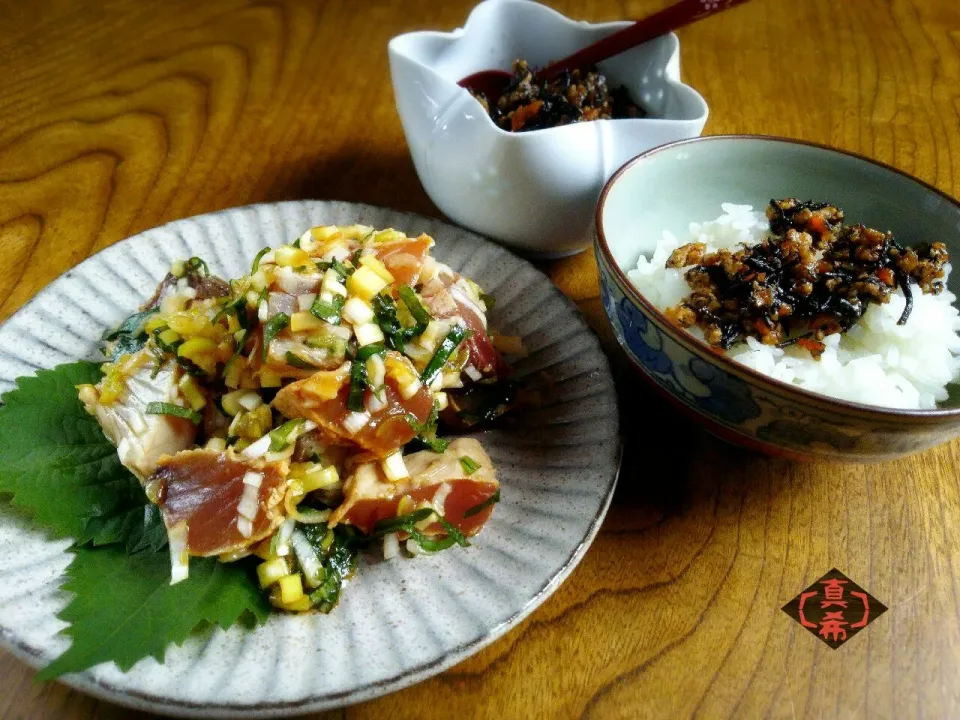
point(461, 34)
point(700, 347)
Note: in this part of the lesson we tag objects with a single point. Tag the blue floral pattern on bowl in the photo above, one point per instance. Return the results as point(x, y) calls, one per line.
point(750, 413)
point(663, 190)
point(704, 386)
point(644, 340)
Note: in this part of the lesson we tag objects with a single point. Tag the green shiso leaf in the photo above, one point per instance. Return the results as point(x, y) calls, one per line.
point(60, 469)
point(57, 466)
point(125, 609)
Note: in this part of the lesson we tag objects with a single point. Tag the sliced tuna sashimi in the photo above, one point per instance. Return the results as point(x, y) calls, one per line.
point(205, 287)
point(205, 490)
point(448, 295)
point(323, 399)
point(404, 258)
point(437, 478)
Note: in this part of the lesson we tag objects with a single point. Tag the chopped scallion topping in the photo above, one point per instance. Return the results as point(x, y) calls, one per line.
point(328, 311)
point(233, 308)
point(469, 465)
point(407, 523)
point(164, 408)
point(331, 343)
point(281, 437)
point(435, 444)
point(157, 362)
point(339, 559)
point(199, 265)
point(344, 271)
point(427, 431)
point(456, 336)
point(358, 383)
point(414, 305)
point(492, 500)
point(452, 533)
point(239, 349)
point(271, 328)
point(386, 313)
point(368, 351)
point(168, 340)
point(257, 259)
point(389, 525)
point(298, 362)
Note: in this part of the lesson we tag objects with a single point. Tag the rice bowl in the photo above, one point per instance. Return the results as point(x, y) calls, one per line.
point(668, 187)
point(875, 362)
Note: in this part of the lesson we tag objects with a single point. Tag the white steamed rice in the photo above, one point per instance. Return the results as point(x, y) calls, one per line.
point(876, 362)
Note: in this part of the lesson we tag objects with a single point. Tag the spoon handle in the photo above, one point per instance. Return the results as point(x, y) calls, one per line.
point(671, 18)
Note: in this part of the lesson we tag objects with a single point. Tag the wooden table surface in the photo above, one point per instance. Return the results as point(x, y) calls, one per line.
point(118, 115)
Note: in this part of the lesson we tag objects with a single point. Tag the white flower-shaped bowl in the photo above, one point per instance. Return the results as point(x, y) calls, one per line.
point(535, 191)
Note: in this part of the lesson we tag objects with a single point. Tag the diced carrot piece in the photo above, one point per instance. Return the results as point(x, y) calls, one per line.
point(818, 225)
point(524, 114)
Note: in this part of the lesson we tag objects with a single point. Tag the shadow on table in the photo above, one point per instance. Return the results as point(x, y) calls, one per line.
point(356, 175)
point(670, 463)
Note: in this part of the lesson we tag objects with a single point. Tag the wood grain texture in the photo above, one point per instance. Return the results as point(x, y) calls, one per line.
point(118, 115)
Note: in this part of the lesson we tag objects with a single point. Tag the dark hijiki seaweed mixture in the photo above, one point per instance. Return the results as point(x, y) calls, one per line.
point(576, 96)
point(811, 277)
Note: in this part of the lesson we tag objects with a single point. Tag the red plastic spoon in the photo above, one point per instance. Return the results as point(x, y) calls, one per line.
point(492, 83)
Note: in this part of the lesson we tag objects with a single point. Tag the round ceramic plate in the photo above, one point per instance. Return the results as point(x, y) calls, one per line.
point(399, 621)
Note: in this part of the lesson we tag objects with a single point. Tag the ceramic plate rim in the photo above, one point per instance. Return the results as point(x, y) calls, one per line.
point(170, 705)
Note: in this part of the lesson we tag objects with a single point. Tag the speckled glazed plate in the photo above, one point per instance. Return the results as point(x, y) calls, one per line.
point(399, 621)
